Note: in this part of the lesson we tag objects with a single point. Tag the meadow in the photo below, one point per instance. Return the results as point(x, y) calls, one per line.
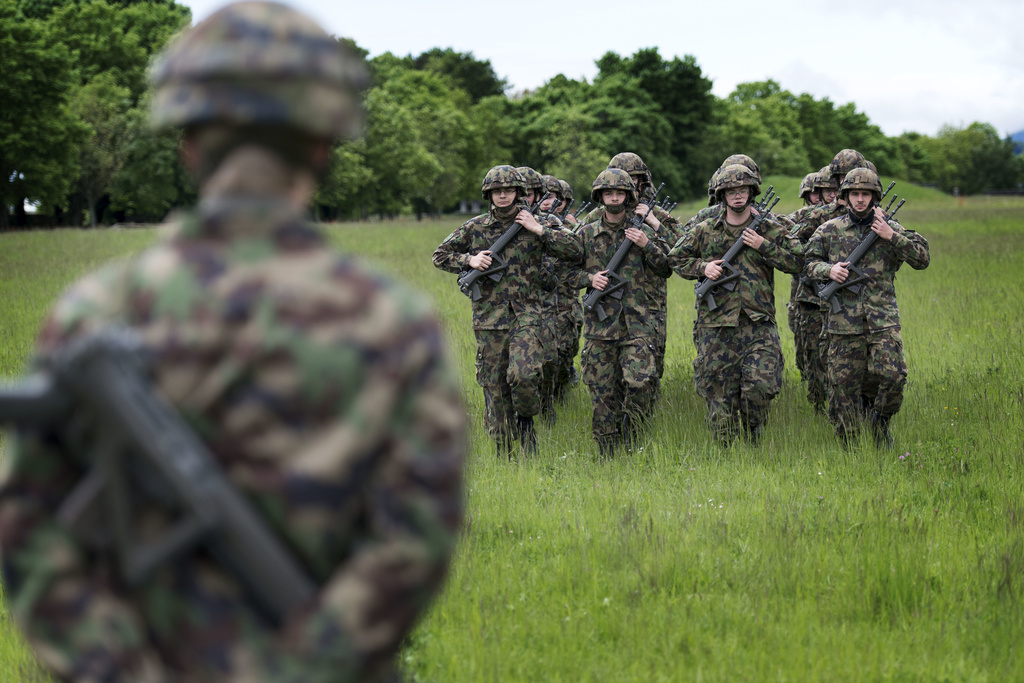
point(794, 560)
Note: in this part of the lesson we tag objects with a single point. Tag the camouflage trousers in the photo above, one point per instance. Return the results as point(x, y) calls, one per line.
point(569, 326)
point(548, 340)
point(508, 369)
point(621, 375)
point(811, 349)
point(738, 372)
point(866, 374)
point(660, 340)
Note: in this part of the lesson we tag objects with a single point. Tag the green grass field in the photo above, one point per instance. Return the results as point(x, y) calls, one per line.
point(796, 560)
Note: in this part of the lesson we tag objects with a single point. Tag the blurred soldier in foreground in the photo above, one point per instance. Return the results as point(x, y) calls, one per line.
point(508, 315)
point(866, 366)
point(321, 390)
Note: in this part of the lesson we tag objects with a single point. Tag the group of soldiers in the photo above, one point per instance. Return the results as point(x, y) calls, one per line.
point(528, 315)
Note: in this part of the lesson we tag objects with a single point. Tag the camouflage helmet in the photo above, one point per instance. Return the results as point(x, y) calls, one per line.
point(823, 180)
point(868, 164)
point(845, 161)
point(862, 179)
point(806, 186)
point(552, 185)
point(632, 164)
point(743, 160)
point(567, 194)
point(532, 178)
point(614, 179)
point(712, 182)
point(502, 176)
point(736, 175)
point(263, 64)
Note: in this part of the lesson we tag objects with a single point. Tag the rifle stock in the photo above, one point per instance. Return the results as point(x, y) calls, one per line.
point(705, 287)
point(469, 279)
point(148, 450)
point(592, 301)
point(827, 291)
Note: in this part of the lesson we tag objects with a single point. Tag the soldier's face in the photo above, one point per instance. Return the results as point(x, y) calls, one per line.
point(613, 197)
point(548, 203)
point(828, 195)
point(503, 196)
point(814, 197)
point(737, 197)
point(530, 196)
point(860, 200)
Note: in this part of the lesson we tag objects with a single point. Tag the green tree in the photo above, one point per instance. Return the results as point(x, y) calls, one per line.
point(475, 77)
point(683, 96)
point(972, 159)
point(39, 136)
point(102, 105)
point(340, 192)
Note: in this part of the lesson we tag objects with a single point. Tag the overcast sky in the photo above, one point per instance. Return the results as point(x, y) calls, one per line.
point(910, 65)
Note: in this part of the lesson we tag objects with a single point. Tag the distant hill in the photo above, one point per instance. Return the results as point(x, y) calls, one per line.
point(1018, 141)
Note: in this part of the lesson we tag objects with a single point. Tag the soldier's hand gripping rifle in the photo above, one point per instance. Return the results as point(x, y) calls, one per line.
point(148, 453)
point(593, 299)
point(827, 290)
point(705, 286)
point(468, 278)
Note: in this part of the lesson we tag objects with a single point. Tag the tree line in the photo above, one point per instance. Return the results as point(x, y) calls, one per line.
point(74, 139)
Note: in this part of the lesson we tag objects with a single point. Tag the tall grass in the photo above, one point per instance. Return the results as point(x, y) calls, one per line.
point(794, 560)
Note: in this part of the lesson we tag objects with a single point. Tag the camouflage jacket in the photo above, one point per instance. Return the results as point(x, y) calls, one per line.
point(518, 297)
point(874, 307)
point(805, 222)
point(755, 290)
point(666, 236)
point(634, 321)
point(324, 392)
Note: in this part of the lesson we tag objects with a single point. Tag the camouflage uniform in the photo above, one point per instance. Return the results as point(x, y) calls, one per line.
point(322, 390)
point(509, 319)
point(619, 354)
point(805, 313)
point(866, 367)
point(739, 363)
point(551, 278)
point(667, 234)
point(570, 315)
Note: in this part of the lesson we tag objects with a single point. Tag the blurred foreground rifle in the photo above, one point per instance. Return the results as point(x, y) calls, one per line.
point(148, 453)
point(468, 278)
point(705, 286)
point(593, 299)
point(827, 290)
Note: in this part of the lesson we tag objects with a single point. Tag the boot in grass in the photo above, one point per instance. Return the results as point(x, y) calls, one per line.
point(527, 435)
point(881, 432)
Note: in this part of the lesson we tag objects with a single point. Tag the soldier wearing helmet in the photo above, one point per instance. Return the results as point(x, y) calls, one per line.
point(307, 377)
point(807, 192)
point(805, 304)
point(739, 364)
point(510, 319)
point(667, 230)
point(619, 363)
point(867, 370)
point(569, 321)
point(551, 277)
point(714, 208)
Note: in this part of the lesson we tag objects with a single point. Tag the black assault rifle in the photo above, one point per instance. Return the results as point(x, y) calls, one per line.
point(148, 453)
point(705, 286)
point(583, 209)
point(827, 290)
point(592, 300)
point(468, 278)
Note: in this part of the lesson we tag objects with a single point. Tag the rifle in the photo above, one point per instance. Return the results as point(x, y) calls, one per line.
point(468, 278)
point(583, 208)
point(705, 286)
point(592, 300)
point(148, 452)
point(827, 290)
